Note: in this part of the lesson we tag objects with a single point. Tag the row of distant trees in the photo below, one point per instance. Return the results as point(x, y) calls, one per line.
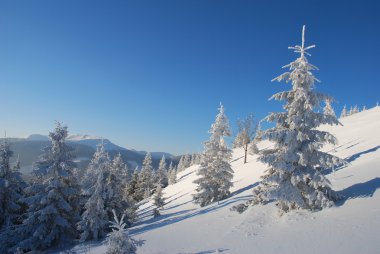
point(353, 110)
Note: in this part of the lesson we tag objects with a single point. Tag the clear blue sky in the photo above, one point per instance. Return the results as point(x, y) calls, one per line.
point(150, 74)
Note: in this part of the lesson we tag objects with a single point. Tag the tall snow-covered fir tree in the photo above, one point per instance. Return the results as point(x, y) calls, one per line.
point(93, 224)
point(162, 173)
point(118, 240)
point(53, 198)
point(146, 177)
point(294, 178)
point(11, 189)
point(215, 172)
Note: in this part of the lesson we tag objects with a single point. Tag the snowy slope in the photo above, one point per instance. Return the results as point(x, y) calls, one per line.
point(352, 226)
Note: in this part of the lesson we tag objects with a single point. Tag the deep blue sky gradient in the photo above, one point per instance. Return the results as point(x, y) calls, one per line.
point(150, 74)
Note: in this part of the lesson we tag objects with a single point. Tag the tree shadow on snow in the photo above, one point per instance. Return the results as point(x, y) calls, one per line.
point(239, 158)
point(212, 251)
point(173, 199)
point(346, 145)
point(184, 176)
point(251, 186)
point(147, 211)
point(360, 190)
point(171, 218)
point(153, 223)
point(352, 158)
point(207, 251)
point(357, 155)
point(175, 206)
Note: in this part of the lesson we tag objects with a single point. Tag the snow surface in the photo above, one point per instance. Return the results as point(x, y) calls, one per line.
point(352, 226)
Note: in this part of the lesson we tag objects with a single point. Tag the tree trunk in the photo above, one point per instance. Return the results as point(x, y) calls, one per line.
point(245, 153)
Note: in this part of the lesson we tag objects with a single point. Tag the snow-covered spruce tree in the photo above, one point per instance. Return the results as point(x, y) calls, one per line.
point(198, 159)
point(11, 189)
point(246, 133)
point(93, 224)
point(294, 178)
point(158, 200)
point(121, 170)
point(253, 148)
point(344, 112)
point(131, 189)
point(195, 159)
point(215, 173)
point(181, 164)
point(52, 198)
point(364, 108)
point(162, 173)
point(116, 182)
point(192, 160)
point(351, 111)
point(118, 240)
point(328, 110)
point(146, 178)
point(356, 109)
point(186, 161)
point(172, 174)
point(130, 211)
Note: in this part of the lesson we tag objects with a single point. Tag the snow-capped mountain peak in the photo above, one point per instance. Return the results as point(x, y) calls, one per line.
point(79, 137)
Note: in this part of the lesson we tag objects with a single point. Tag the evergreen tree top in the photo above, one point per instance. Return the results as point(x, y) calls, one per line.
point(301, 49)
point(221, 125)
point(147, 163)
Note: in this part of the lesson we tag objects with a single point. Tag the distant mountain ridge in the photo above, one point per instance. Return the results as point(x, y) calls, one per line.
point(37, 137)
point(30, 148)
point(93, 141)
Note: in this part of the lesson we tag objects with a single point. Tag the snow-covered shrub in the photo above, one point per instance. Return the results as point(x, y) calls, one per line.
point(118, 240)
